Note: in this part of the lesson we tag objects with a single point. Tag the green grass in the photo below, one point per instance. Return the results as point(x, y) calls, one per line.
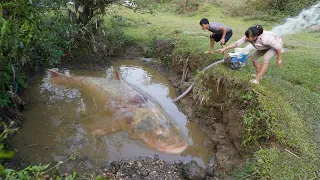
point(290, 94)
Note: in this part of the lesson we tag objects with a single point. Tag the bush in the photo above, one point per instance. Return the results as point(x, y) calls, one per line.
point(30, 38)
point(113, 35)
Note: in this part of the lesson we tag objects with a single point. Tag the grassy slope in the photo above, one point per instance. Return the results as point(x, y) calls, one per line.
point(290, 93)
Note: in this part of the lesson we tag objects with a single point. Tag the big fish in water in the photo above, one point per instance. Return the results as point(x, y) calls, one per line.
point(133, 110)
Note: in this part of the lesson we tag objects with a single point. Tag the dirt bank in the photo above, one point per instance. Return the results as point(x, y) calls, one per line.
point(219, 120)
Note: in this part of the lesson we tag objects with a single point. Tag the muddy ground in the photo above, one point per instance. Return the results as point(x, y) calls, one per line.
point(155, 168)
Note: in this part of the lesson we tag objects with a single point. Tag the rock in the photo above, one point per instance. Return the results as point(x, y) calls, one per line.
point(156, 157)
point(193, 171)
point(178, 162)
point(116, 165)
point(106, 165)
point(210, 171)
point(210, 168)
point(144, 173)
point(139, 164)
point(212, 161)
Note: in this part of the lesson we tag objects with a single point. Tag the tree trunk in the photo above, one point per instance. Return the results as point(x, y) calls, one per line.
point(85, 12)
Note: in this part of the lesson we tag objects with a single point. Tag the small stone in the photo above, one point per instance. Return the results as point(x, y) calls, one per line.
point(144, 172)
point(156, 157)
point(178, 162)
point(212, 161)
point(221, 137)
point(106, 165)
point(116, 165)
point(193, 171)
point(210, 171)
point(139, 164)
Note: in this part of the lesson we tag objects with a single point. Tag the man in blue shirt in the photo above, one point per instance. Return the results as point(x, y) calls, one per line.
point(220, 33)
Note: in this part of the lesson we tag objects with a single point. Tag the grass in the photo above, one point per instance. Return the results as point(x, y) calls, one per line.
point(290, 94)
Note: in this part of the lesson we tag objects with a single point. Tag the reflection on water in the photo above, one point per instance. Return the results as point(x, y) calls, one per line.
point(57, 120)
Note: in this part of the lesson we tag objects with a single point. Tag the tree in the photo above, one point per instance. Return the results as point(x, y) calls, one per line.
point(87, 9)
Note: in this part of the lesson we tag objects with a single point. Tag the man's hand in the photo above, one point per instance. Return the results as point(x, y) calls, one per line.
point(209, 52)
point(279, 62)
point(222, 41)
point(221, 50)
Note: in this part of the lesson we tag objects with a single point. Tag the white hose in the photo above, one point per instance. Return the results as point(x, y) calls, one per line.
point(191, 86)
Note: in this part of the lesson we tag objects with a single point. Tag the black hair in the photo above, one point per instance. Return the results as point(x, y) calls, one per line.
point(254, 31)
point(204, 21)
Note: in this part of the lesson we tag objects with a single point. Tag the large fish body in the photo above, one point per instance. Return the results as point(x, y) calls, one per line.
point(133, 111)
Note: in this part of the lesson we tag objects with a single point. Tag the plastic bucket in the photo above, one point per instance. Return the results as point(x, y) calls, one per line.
point(238, 50)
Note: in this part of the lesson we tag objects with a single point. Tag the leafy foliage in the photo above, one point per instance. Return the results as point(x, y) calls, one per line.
point(34, 34)
point(30, 38)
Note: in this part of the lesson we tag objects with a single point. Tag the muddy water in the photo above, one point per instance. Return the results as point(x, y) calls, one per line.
point(57, 120)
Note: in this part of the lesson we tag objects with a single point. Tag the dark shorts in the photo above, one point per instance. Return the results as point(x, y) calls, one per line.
point(218, 35)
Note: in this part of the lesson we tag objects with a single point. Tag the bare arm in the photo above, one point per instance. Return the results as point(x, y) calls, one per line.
point(224, 32)
point(227, 48)
point(234, 45)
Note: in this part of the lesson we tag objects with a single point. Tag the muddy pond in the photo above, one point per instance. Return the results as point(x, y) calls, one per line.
point(57, 120)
